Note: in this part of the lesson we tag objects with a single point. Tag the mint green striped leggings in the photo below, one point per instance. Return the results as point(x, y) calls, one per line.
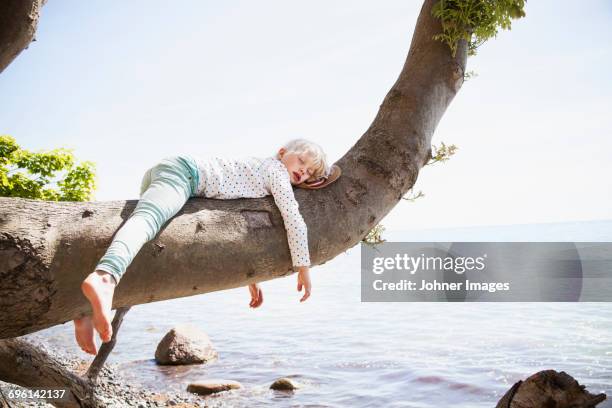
point(165, 188)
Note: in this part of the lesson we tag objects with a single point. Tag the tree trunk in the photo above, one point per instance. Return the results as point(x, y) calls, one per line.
point(48, 248)
point(25, 365)
point(18, 21)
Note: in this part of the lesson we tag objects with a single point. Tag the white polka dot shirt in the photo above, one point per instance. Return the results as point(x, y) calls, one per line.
point(253, 177)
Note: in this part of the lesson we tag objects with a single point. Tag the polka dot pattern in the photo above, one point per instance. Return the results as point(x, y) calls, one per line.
point(253, 177)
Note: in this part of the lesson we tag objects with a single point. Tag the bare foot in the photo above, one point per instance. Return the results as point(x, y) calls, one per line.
point(98, 288)
point(84, 333)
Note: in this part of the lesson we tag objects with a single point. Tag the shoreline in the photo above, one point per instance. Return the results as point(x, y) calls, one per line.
point(112, 389)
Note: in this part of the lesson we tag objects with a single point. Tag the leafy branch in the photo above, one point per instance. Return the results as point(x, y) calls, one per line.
point(474, 21)
point(52, 175)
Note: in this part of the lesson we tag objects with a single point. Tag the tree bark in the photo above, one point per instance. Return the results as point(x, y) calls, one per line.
point(25, 365)
point(48, 248)
point(18, 21)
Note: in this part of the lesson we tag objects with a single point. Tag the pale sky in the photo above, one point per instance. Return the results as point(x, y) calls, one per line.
point(125, 84)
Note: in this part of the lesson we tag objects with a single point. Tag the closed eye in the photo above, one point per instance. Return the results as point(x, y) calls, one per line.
point(307, 170)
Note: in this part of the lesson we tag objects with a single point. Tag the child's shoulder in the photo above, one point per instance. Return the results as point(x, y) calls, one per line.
point(268, 163)
point(274, 165)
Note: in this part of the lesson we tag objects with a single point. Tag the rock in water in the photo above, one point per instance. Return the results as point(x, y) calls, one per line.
point(185, 344)
point(549, 388)
point(283, 384)
point(212, 386)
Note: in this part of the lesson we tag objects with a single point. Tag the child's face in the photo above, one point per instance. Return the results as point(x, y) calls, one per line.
point(299, 166)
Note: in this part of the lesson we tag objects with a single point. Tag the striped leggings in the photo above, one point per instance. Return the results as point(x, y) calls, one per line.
point(165, 188)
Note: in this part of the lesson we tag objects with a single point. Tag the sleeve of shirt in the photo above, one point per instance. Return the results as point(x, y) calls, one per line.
point(297, 232)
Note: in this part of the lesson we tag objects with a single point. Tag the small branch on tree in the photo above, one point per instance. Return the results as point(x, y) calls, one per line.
point(413, 197)
point(106, 348)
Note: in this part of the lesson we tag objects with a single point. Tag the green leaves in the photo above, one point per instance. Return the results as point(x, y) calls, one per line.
point(374, 236)
point(51, 176)
point(79, 183)
point(474, 20)
point(441, 153)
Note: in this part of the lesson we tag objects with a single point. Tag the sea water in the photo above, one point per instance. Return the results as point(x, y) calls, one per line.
point(345, 353)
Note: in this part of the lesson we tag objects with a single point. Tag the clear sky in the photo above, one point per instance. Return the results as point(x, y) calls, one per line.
point(127, 83)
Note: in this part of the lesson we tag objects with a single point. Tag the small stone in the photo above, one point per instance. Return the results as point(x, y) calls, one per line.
point(283, 384)
point(212, 386)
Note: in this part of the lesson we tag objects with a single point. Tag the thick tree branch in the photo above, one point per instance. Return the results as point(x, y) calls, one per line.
point(18, 21)
point(23, 364)
point(48, 248)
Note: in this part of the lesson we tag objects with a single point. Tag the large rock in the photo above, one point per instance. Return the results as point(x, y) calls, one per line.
point(212, 386)
point(549, 388)
point(185, 344)
point(284, 384)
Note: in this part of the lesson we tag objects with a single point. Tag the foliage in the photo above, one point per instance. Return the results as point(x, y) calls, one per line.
point(412, 196)
point(474, 20)
point(442, 153)
point(469, 75)
point(52, 175)
point(374, 236)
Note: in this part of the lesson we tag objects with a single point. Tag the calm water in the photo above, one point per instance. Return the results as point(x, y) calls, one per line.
point(347, 353)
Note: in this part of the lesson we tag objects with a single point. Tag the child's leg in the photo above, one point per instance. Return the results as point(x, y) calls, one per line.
point(84, 333)
point(167, 187)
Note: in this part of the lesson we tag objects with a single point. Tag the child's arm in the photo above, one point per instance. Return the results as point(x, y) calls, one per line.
point(256, 295)
point(297, 232)
point(304, 281)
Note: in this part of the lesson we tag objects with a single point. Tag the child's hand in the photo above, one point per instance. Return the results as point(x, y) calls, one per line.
point(256, 295)
point(304, 281)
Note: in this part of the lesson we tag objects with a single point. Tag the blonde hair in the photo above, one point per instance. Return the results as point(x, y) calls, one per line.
point(316, 153)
